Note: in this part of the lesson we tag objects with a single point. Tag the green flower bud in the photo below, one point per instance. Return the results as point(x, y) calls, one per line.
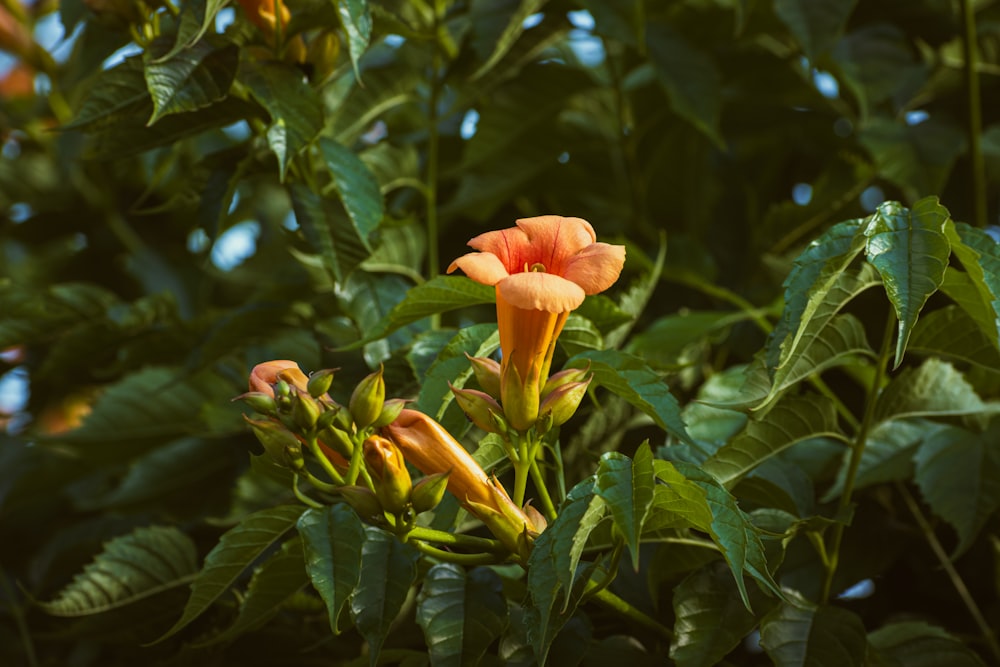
point(480, 407)
point(563, 401)
point(338, 440)
point(305, 412)
point(279, 444)
point(386, 464)
point(429, 491)
point(319, 382)
point(327, 418)
point(364, 503)
point(281, 389)
point(487, 374)
point(565, 377)
point(390, 410)
point(259, 402)
point(367, 400)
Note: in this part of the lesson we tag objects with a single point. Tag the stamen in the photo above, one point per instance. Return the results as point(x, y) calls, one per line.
point(538, 267)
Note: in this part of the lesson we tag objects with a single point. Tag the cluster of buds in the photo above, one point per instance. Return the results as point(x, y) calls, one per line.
point(558, 399)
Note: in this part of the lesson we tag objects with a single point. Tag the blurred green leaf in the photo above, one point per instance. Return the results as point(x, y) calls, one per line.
point(950, 332)
point(385, 88)
point(356, 19)
point(935, 388)
point(887, 457)
point(799, 633)
point(237, 549)
point(332, 539)
point(918, 644)
point(130, 568)
point(356, 186)
point(194, 78)
point(513, 30)
point(917, 158)
point(816, 24)
point(460, 613)
point(328, 231)
point(626, 486)
point(451, 365)
point(116, 93)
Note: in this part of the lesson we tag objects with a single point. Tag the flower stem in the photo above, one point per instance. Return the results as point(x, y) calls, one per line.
point(459, 559)
point(548, 509)
point(303, 498)
point(456, 539)
point(858, 449)
point(615, 603)
point(328, 468)
point(975, 127)
point(956, 580)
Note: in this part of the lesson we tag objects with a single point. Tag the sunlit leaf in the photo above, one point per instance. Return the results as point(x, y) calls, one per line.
point(626, 486)
point(237, 549)
point(194, 78)
point(357, 21)
point(356, 186)
point(800, 633)
point(910, 251)
point(332, 539)
point(130, 568)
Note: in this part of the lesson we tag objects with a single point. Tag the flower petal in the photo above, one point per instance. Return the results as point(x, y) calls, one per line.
point(483, 267)
point(541, 291)
point(555, 239)
point(264, 375)
point(596, 267)
point(511, 246)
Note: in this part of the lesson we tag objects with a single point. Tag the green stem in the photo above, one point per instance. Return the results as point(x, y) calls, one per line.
point(975, 114)
point(719, 292)
point(324, 462)
point(522, 467)
point(611, 571)
point(458, 559)
point(354, 468)
point(833, 555)
point(548, 509)
point(431, 196)
point(318, 483)
point(615, 603)
point(22, 626)
point(456, 539)
point(303, 498)
point(956, 580)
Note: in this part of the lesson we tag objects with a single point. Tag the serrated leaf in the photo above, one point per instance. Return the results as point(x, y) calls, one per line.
point(357, 187)
point(461, 614)
point(237, 549)
point(513, 30)
point(115, 93)
point(130, 568)
point(630, 378)
point(963, 290)
point(273, 583)
point(328, 232)
point(332, 539)
point(357, 21)
point(690, 77)
point(958, 472)
point(192, 79)
point(951, 332)
point(980, 257)
point(917, 644)
point(388, 569)
point(730, 528)
point(816, 24)
point(910, 251)
point(710, 621)
point(579, 335)
point(295, 109)
point(935, 388)
point(791, 421)
point(626, 485)
point(438, 295)
point(452, 366)
point(798, 633)
point(196, 18)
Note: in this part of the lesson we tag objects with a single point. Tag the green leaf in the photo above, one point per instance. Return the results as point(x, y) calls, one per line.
point(461, 614)
point(196, 18)
point(917, 158)
point(580, 335)
point(951, 332)
point(917, 644)
point(791, 421)
point(730, 528)
point(357, 21)
point(326, 229)
point(194, 78)
point(513, 30)
point(116, 93)
point(388, 569)
point(816, 24)
point(887, 457)
point(710, 621)
point(356, 186)
point(332, 539)
point(979, 254)
point(626, 485)
point(663, 342)
point(690, 77)
point(273, 583)
point(295, 109)
point(799, 633)
point(237, 549)
point(438, 295)
point(451, 365)
point(958, 473)
point(963, 290)
point(935, 388)
point(910, 251)
point(385, 88)
point(629, 377)
point(130, 568)
point(370, 300)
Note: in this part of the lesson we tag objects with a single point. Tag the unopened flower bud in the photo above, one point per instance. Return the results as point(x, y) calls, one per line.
point(563, 401)
point(337, 439)
point(429, 491)
point(327, 418)
point(319, 382)
point(363, 501)
point(386, 464)
point(322, 54)
point(259, 402)
point(487, 373)
point(305, 412)
point(565, 377)
point(281, 388)
point(480, 407)
point(368, 399)
point(390, 410)
point(280, 445)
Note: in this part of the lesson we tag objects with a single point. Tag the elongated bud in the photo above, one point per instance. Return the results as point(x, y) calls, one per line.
point(319, 382)
point(364, 503)
point(337, 440)
point(323, 51)
point(480, 407)
point(280, 445)
point(259, 402)
point(390, 410)
point(429, 491)
point(565, 377)
point(487, 373)
point(386, 464)
point(508, 522)
point(562, 402)
point(281, 389)
point(368, 399)
point(327, 418)
point(305, 412)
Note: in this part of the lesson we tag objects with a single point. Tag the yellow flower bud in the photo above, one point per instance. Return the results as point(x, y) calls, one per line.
point(319, 382)
point(387, 466)
point(367, 400)
point(479, 407)
point(562, 402)
point(427, 493)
